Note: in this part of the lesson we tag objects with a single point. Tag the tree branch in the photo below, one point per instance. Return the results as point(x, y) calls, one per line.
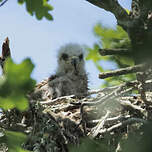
point(122, 51)
point(129, 104)
point(124, 123)
point(3, 3)
point(133, 69)
point(100, 125)
point(114, 7)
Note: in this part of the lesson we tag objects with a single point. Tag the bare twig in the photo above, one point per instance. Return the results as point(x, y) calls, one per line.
point(112, 95)
point(100, 125)
point(124, 123)
point(108, 89)
point(50, 102)
point(121, 51)
point(116, 93)
point(122, 71)
point(113, 119)
point(118, 118)
point(135, 107)
point(3, 3)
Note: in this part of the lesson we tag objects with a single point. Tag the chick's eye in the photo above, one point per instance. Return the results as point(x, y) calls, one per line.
point(64, 56)
point(81, 56)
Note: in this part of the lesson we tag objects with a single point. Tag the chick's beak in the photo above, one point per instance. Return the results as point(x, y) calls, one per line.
point(74, 62)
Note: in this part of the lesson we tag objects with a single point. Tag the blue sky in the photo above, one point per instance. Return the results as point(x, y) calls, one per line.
point(73, 22)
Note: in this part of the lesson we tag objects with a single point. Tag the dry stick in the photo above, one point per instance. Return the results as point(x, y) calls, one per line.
point(121, 124)
point(135, 107)
point(100, 125)
point(117, 118)
point(113, 94)
point(133, 69)
point(122, 51)
point(50, 102)
point(108, 89)
point(117, 92)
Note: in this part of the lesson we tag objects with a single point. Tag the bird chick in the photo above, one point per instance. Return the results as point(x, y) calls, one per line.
point(70, 78)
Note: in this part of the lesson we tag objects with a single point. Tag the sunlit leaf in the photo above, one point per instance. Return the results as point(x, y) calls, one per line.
point(111, 39)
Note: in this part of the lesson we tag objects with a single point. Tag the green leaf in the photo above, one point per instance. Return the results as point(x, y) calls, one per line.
point(39, 8)
point(111, 39)
point(128, 12)
point(48, 16)
point(16, 84)
point(14, 140)
point(88, 145)
point(21, 1)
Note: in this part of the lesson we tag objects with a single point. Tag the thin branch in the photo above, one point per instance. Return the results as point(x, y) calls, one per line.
point(100, 125)
point(124, 123)
point(135, 107)
point(105, 52)
point(111, 120)
point(133, 69)
point(118, 118)
point(115, 93)
point(59, 99)
point(104, 90)
point(3, 3)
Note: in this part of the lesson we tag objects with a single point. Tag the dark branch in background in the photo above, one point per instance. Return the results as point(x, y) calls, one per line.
point(2, 3)
point(5, 53)
point(121, 51)
point(114, 7)
point(133, 69)
point(5, 49)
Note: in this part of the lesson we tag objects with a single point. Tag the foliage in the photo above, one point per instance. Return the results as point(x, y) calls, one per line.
point(14, 141)
point(88, 145)
point(111, 39)
point(39, 8)
point(14, 86)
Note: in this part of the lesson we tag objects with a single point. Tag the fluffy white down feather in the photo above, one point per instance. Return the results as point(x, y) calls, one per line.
point(70, 78)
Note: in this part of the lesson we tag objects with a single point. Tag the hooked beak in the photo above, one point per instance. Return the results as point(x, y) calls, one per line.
point(74, 62)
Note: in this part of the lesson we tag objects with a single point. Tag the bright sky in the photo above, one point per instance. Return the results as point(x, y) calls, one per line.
point(73, 22)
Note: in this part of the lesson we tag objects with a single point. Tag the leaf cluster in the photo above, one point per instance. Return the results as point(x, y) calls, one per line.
point(14, 140)
point(16, 84)
point(111, 39)
point(39, 8)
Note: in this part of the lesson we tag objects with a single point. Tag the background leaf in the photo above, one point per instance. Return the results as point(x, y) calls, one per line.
point(39, 8)
point(16, 84)
point(111, 39)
